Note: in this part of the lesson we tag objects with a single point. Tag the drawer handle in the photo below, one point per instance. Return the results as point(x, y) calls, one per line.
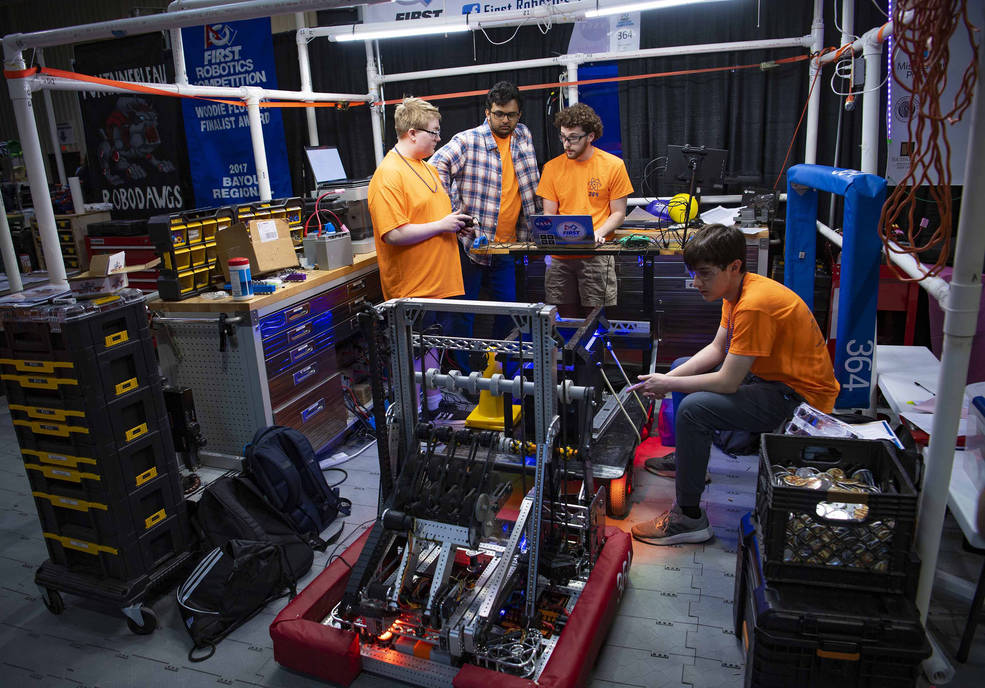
point(117, 338)
point(301, 352)
point(81, 545)
point(305, 373)
point(354, 286)
point(313, 410)
point(28, 366)
point(154, 519)
point(147, 475)
point(299, 333)
point(125, 387)
point(297, 312)
point(49, 429)
point(39, 382)
point(135, 432)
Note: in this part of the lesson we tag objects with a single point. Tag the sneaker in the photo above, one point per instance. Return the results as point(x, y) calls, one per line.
point(451, 412)
point(674, 528)
point(666, 466)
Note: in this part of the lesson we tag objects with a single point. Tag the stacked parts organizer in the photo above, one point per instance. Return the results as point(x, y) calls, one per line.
point(87, 406)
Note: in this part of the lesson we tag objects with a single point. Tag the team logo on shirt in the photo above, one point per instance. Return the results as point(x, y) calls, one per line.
point(594, 186)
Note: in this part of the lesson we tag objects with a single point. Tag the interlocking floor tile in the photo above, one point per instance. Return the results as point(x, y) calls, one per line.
point(640, 668)
point(711, 673)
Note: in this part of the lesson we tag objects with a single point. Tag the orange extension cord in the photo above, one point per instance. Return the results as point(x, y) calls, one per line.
point(924, 43)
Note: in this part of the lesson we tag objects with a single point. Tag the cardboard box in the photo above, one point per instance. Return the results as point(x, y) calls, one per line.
point(267, 244)
point(107, 274)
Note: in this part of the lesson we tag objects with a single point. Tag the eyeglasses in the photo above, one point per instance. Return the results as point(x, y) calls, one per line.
point(500, 115)
point(706, 274)
point(435, 134)
point(572, 139)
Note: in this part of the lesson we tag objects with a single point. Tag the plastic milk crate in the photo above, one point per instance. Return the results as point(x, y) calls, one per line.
point(860, 541)
point(800, 636)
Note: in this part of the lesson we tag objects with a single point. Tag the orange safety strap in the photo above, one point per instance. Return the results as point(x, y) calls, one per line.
point(585, 82)
point(346, 105)
point(139, 88)
point(19, 73)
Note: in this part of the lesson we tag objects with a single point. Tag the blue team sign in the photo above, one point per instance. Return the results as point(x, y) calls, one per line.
point(220, 149)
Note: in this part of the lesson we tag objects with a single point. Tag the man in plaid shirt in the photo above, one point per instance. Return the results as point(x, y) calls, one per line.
point(490, 172)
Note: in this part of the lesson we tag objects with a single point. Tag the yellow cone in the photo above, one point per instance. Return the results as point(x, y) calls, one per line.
point(488, 415)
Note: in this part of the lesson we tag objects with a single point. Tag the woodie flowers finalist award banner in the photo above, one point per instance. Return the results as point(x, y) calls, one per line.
point(220, 150)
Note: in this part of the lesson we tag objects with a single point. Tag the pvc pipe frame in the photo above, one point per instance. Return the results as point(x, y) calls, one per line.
point(936, 287)
point(10, 266)
point(27, 129)
point(960, 322)
point(53, 129)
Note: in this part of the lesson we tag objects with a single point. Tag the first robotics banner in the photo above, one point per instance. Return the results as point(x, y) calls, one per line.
point(134, 142)
point(223, 169)
point(618, 33)
point(402, 10)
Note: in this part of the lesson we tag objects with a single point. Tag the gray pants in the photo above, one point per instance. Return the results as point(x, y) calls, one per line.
point(757, 406)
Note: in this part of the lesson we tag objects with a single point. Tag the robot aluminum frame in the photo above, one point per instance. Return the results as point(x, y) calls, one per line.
point(535, 319)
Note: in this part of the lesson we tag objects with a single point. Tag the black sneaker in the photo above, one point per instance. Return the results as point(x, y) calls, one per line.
point(666, 466)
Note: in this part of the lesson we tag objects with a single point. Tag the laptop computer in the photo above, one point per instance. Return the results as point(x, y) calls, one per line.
point(327, 169)
point(549, 231)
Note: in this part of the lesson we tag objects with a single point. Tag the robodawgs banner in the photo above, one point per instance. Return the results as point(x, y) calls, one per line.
point(135, 143)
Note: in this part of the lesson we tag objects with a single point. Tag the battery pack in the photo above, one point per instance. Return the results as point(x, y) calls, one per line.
point(328, 251)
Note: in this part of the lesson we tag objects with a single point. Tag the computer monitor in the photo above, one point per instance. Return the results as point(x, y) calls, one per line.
point(706, 164)
point(325, 164)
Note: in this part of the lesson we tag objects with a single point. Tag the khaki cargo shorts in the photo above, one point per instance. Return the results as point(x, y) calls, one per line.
point(588, 281)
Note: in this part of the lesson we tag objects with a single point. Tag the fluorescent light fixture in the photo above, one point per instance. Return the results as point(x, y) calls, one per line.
point(403, 32)
point(622, 8)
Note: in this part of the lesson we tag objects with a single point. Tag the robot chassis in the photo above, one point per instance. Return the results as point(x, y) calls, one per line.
point(440, 582)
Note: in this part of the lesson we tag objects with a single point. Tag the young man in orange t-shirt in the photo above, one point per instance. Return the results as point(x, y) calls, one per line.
point(413, 224)
point(767, 357)
point(585, 180)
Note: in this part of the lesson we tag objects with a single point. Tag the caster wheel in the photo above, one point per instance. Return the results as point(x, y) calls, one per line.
point(149, 619)
point(620, 493)
point(53, 601)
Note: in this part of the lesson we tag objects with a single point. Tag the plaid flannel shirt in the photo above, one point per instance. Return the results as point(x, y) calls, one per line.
point(471, 172)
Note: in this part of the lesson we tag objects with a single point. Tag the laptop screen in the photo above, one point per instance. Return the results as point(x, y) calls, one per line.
point(562, 230)
point(325, 163)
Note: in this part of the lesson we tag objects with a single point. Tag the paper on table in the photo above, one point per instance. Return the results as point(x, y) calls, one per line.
point(876, 430)
point(925, 421)
point(720, 215)
point(929, 405)
point(638, 213)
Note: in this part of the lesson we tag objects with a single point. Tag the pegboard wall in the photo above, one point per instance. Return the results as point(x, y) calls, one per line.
point(228, 401)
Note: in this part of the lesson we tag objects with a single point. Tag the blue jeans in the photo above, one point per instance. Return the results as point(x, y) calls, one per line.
point(757, 406)
point(500, 279)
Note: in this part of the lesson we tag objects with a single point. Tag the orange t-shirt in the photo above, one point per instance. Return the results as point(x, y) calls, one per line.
point(509, 202)
point(585, 188)
point(399, 194)
point(772, 323)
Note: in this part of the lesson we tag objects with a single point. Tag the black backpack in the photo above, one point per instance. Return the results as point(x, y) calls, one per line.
point(233, 508)
point(230, 585)
point(285, 468)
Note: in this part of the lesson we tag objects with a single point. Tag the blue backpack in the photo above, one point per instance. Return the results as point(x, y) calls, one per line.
point(283, 465)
